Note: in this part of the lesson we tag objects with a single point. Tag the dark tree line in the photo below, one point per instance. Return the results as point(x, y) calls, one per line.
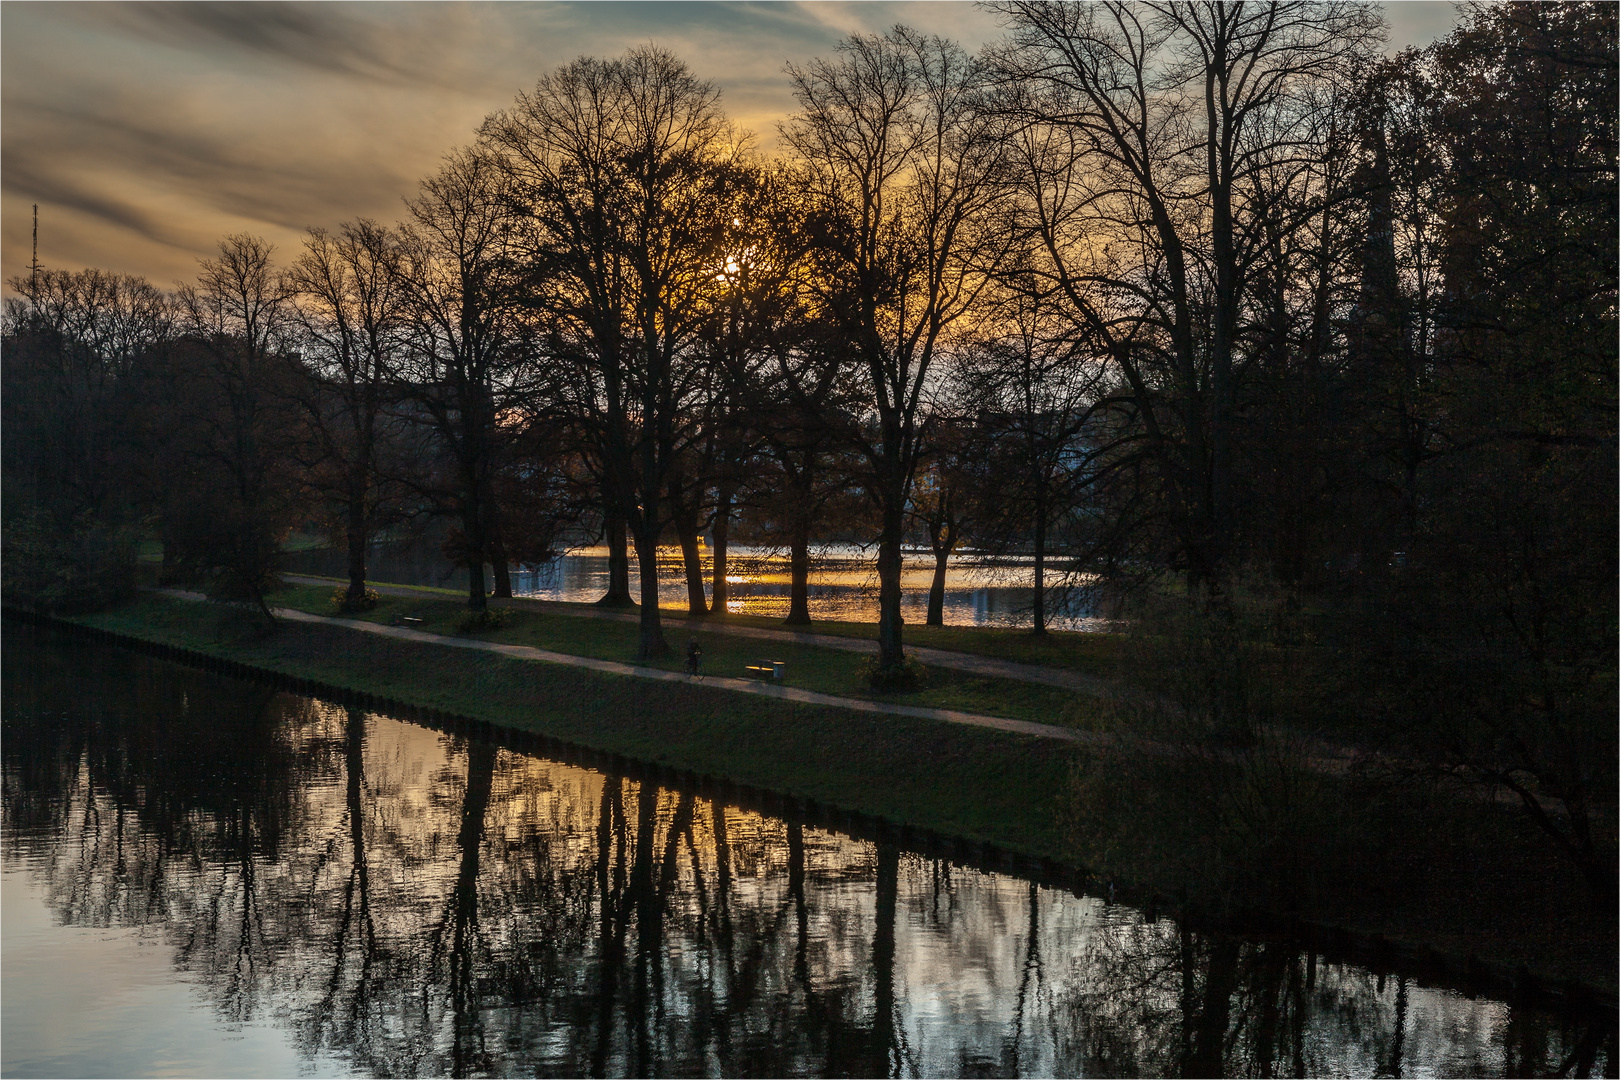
point(1145, 291)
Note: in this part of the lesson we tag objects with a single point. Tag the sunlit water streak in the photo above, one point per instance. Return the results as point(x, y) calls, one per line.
point(206, 877)
point(843, 583)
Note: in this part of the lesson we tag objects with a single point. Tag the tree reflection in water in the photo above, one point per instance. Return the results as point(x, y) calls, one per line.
point(411, 903)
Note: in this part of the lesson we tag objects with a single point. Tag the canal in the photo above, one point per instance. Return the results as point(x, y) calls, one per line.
point(205, 876)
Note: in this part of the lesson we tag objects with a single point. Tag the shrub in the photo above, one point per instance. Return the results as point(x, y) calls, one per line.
point(342, 605)
point(906, 677)
point(492, 618)
point(1205, 790)
point(89, 566)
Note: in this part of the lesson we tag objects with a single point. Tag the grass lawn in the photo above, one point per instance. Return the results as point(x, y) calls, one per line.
point(974, 782)
point(828, 671)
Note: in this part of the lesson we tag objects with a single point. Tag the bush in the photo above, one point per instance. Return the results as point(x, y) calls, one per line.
point(90, 566)
point(342, 605)
point(1222, 828)
point(235, 563)
point(492, 618)
point(1206, 791)
point(906, 677)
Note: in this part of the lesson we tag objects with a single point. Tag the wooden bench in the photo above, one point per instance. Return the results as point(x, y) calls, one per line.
point(771, 669)
point(409, 620)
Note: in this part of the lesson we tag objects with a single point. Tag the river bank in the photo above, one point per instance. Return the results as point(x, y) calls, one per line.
point(931, 778)
point(546, 906)
point(965, 781)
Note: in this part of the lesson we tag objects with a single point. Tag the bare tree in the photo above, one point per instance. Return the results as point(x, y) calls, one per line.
point(459, 290)
point(803, 408)
point(894, 143)
point(1038, 397)
point(756, 317)
point(622, 166)
point(1157, 144)
point(232, 372)
point(940, 503)
point(781, 386)
point(351, 315)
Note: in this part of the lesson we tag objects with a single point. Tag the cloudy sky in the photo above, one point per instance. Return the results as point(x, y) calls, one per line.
point(146, 131)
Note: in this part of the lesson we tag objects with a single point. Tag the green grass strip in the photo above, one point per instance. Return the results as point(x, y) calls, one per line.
point(811, 667)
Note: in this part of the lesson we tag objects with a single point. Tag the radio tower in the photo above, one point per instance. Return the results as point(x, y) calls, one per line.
point(33, 267)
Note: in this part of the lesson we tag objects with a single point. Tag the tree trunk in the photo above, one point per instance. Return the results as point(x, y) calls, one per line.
point(477, 508)
point(357, 549)
point(1038, 608)
point(618, 545)
point(891, 650)
point(684, 513)
point(719, 591)
point(799, 547)
point(799, 576)
point(936, 589)
point(1221, 389)
point(942, 539)
point(476, 598)
point(652, 644)
point(497, 561)
point(697, 600)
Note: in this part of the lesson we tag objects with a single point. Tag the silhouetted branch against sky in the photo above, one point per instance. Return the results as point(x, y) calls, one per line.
point(146, 131)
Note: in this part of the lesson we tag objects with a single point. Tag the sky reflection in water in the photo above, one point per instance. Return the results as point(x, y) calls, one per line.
point(206, 877)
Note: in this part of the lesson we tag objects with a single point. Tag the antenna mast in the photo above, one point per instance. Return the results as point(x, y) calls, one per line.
point(33, 267)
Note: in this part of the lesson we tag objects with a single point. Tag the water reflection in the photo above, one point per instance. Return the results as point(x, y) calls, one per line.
point(843, 583)
point(403, 902)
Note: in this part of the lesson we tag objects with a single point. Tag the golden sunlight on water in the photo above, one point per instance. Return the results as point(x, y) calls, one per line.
point(843, 583)
point(843, 586)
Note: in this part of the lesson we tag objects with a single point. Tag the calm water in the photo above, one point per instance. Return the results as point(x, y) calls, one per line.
point(843, 583)
point(206, 877)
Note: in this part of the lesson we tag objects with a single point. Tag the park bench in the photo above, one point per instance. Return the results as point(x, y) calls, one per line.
point(409, 620)
point(767, 669)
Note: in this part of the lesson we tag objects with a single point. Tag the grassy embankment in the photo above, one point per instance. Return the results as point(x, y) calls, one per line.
point(1419, 865)
point(965, 781)
point(811, 667)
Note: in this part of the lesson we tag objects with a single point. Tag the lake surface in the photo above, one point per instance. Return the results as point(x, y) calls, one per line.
point(207, 877)
point(843, 582)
